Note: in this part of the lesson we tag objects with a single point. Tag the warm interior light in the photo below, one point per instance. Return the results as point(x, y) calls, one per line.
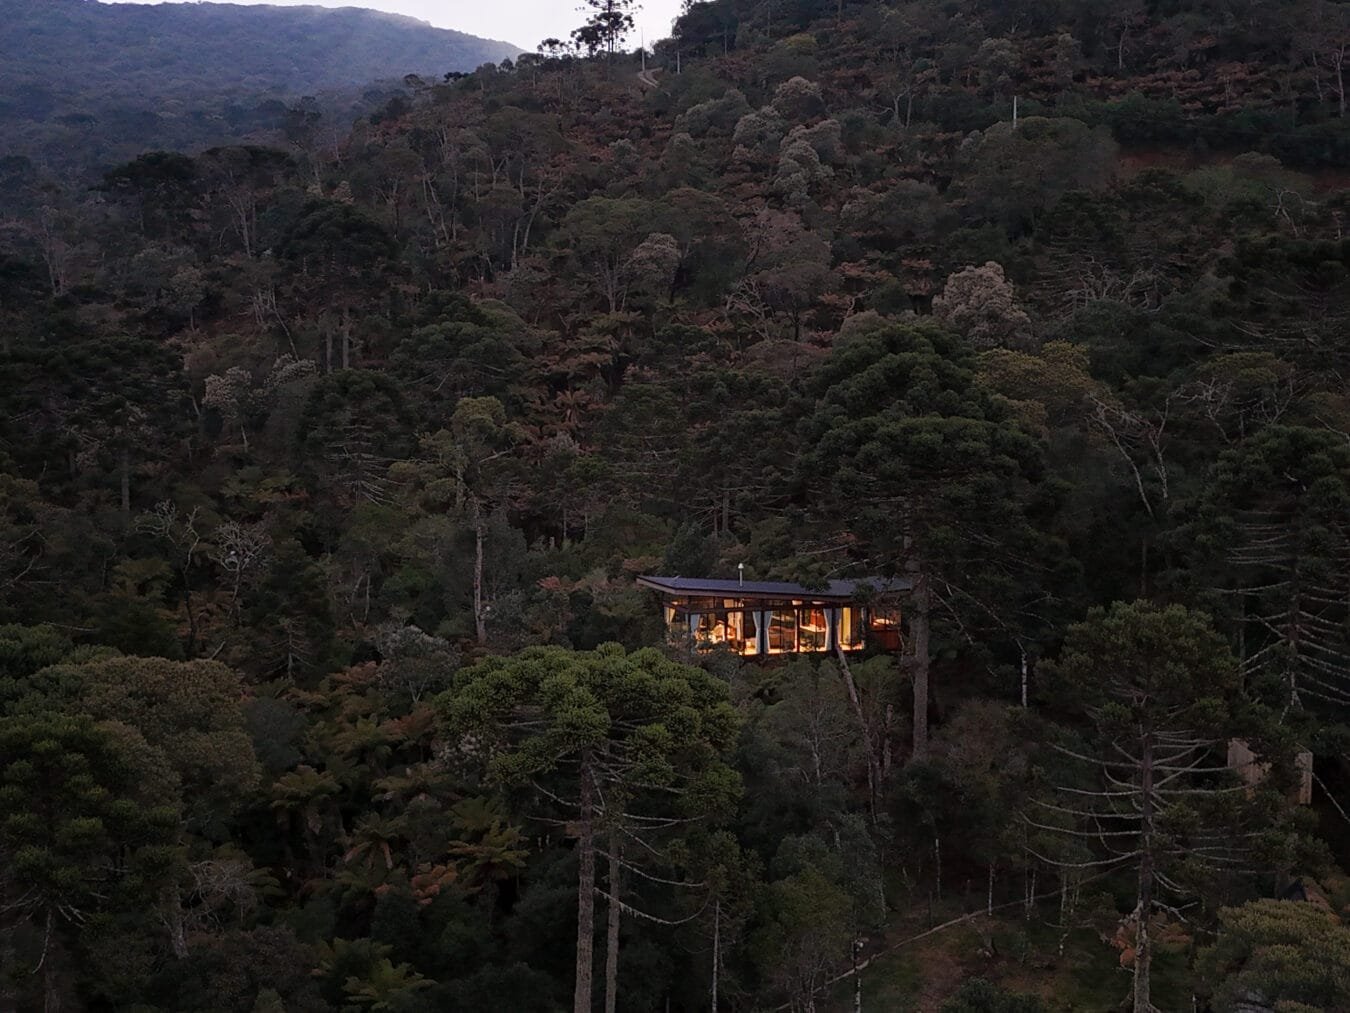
point(813, 630)
point(794, 626)
point(850, 629)
point(783, 631)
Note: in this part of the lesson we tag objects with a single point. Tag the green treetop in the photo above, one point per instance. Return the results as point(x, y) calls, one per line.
point(631, 746)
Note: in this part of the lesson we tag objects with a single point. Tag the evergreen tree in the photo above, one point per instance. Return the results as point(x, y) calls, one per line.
point(607, 27)
point(627, 747)
point(1162, 694)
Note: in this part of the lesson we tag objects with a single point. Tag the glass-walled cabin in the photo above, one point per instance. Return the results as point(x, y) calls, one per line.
point(756, 619)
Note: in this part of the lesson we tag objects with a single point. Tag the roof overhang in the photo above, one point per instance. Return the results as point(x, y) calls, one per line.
point(831, 591)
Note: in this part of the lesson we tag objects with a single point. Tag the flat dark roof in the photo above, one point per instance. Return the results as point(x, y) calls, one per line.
point(834, 590)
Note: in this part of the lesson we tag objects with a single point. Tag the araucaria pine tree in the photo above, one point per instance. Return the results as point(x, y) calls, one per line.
point(609, 23)
point(1147, 789)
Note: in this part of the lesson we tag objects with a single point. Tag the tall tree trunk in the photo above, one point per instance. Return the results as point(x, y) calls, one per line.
point(887, 759)
point(717, 949)
point(124, 467)
point(1143, 945)
point(615, 914)
point(188, 610)
point(937, 865)
point(51, 981)
point(1340, 80)
point(919, 625)
point(864, 726)
point(173, 921)
point(8, 1000)
point(581, 997)
point(479, 533)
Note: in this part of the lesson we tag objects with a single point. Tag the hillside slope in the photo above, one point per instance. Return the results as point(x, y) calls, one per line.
point(77, 78)
point(308, 434)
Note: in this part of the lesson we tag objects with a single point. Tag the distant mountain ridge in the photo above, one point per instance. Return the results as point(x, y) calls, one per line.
point(103, 77)
point(294, 48)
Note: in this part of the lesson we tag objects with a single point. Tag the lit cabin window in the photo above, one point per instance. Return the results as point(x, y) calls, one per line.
point(731, 628)
point(783, 631)
point(711, 629)
point(884, 628)
point(850, 629)
point(813, 630)
point(747, 641)
point(780, 618)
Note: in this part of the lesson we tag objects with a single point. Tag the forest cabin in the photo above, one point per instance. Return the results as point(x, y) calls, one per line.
point(766, 618)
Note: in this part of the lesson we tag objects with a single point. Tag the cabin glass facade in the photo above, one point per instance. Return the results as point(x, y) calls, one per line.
point(783, 631)
point(850, 628)
point(773, 619)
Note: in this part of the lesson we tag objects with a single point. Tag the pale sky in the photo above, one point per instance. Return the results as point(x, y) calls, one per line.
point(523, 22)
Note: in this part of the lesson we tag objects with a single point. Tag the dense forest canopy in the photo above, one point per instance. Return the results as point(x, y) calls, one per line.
point(84, 83)
point(327, 468)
